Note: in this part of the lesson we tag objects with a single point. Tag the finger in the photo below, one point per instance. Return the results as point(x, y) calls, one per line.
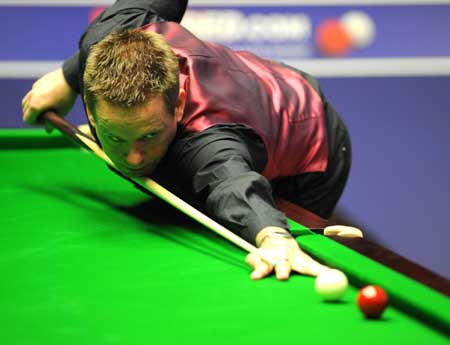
point(314, 268)
point(260, 267)
point(32, 112)
point(299, 264)
point(30, 115)
point(306, 265)
point(251, 259)
point(32, 109)
point(25, 107)
point(27, 111)
point(26, 98)
point(283, 270)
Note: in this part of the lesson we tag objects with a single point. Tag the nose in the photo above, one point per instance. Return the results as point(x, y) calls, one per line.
point(136, 154)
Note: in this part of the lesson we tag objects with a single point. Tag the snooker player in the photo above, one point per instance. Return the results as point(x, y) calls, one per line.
point(232, 126)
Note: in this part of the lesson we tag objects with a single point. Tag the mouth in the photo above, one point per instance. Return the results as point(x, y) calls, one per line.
point(136, 172)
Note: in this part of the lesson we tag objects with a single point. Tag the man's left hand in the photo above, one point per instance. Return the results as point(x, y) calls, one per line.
point(282, 255)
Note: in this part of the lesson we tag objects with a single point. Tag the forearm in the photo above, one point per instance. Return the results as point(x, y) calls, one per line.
point(223, 166)
point(245, 205)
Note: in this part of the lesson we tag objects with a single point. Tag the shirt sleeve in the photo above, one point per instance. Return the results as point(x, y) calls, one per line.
point(223, 167)
point(70, 72)
point(123, 14)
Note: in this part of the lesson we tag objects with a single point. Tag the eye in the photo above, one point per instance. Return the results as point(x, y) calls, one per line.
point(149, 136)
point(114, 139)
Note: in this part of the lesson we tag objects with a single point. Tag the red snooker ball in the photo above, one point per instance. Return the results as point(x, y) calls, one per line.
point(372, 300)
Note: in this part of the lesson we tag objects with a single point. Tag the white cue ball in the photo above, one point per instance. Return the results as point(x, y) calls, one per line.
point(331, 284)
point(360, 27)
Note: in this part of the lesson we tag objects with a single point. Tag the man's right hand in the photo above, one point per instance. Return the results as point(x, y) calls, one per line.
point(51, 91)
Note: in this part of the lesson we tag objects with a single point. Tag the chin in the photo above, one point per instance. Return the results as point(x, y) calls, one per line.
point(134, 173)
point(138, 173)
point(145, 170)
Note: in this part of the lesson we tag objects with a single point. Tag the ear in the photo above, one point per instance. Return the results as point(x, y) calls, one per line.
point(89, 113)
point(181, 102)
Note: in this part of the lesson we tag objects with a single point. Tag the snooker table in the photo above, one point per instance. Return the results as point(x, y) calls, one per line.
point(85, 258)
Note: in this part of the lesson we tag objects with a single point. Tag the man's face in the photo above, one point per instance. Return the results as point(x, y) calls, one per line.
point(136, 139)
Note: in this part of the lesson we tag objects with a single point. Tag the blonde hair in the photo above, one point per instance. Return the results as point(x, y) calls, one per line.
point(129, 68)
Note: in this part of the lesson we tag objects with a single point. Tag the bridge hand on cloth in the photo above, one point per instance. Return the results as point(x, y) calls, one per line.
point(278, 251)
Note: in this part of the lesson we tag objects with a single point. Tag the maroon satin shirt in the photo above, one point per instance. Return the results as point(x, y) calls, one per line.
point(224, 86)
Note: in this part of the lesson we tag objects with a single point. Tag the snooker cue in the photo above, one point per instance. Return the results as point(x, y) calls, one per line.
point(147, 183)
